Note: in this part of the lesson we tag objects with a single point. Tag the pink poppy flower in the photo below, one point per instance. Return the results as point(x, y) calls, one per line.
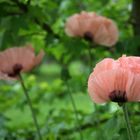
point(18, 59)
point(92, 27)
point(109, 81)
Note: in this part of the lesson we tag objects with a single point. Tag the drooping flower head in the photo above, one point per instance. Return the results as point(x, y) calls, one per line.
point(115, 80)
point(18, 59)
point(92, 27)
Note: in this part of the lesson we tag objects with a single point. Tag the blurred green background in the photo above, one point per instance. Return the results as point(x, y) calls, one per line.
point(65, 69)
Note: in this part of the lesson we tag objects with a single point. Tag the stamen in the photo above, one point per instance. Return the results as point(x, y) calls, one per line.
point(88, 36)
point(118, 96)
point(16, 70)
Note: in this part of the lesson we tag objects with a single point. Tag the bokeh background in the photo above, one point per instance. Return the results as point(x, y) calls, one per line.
point(64, 69)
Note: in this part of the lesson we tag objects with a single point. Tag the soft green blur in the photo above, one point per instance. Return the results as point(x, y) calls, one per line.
point(66, 60)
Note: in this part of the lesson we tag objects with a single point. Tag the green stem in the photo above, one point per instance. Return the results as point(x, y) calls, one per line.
point(75, 111)
point(31, 107)
point(90, 67)
point(128, 125)
point(90, 58)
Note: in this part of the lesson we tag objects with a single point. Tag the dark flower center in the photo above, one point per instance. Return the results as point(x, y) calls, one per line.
point(16, 70)
point(118, 96)
point(88, 36)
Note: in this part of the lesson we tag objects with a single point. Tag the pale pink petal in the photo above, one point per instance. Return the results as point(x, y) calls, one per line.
point(97, 90)
point(39, 57)
point(112, 32)
point(102, 36)
point(94, 27)
point(72, 27)
point(85, 22)
point(7, 58)
point(107, 34)
point(133, 88)
point(22, 58)
point(26, 58)
point(100, 86)
point(121, 79)
point(116, 77)
point(84, 26)
point(131, 63)
point(105, 64)
point(103, 30)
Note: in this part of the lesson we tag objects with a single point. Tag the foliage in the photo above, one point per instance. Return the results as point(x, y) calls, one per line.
point(65, 68)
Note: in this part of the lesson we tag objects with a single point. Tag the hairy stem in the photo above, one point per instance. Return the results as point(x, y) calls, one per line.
point(31, 107)
point(128, 125)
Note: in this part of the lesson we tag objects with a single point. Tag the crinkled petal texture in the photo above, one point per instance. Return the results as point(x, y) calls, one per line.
point(107, 34)
point(106, 64)
point(108, 76)
point(23, 56)
point(133, 88)
point(101, 85)
point(131, 63)
point(104, 31)
point(72, 26)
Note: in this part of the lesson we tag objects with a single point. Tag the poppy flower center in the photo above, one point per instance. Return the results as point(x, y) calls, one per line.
point(16, 70)
point(118, 96)
point(88, 36)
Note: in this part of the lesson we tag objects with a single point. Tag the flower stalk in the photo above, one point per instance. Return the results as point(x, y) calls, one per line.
point(90, 58)
point(30, 106)
point(75, 111)
point(128, 125)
